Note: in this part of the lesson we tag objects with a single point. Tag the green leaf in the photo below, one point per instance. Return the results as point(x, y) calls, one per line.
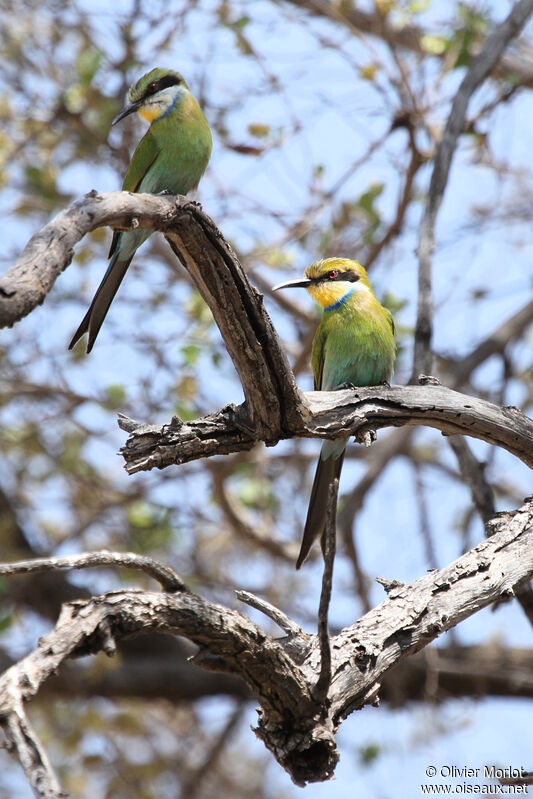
point(87, 64)
point(190, 353)
point(368, 754)
point(434, 44)
point(115, 396)
point(6, 622)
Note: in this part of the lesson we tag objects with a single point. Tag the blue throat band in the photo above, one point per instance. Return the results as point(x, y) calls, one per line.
point(169, 109)
point(340, 301)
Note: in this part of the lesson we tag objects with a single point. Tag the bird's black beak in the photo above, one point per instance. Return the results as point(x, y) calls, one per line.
point(129, 109)
point(293, 284)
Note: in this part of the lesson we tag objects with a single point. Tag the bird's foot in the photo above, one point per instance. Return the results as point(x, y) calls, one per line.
point(366, 436)
point(385, 383)
point(428, 380)
point(346, 386)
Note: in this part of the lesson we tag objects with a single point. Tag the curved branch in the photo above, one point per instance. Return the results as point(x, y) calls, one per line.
point(329, 414)
point(268, 383)
point(282, 673)
point(274, 408)
point(165, 575)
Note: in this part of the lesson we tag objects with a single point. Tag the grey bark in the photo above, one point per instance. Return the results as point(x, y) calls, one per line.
point(329, 414)
point(282, 673)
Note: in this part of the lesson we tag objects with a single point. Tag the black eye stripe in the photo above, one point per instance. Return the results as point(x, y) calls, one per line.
point(349, 276)
point(168, 80)
point(163, 83)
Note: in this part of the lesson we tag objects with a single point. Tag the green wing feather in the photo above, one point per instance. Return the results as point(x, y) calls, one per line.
point(317, 355)
point(391, 320)
point(144, 156)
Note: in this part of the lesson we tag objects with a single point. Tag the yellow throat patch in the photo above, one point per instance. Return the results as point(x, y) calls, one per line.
point(328, 293)
point(150, 112)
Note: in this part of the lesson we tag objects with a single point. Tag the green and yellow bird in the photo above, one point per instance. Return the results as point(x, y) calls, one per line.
point(171, 157)
point(353, 346)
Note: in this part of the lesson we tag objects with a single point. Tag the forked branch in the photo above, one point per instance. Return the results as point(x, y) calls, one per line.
point(282, 673)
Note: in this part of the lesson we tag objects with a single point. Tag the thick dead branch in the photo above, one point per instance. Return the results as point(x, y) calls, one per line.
point(329, 414)
point(281, 673)
point(269, 387)
point(433, 675)
point(480, 68)
point(274, 408)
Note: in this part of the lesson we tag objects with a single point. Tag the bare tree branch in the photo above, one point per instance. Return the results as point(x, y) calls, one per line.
point(274, 407)
point(329, 414)
point(21, 738)
point(495, 343)
point(453, 671)
point(281, 619)
point(165, 575)
point(480, 68)
point(511, 67)
point(282, 673)
point(269, 387)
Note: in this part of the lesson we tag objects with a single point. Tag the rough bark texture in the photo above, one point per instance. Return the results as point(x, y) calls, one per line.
point(281, 673)
point(273, 408)
point(268, 383)
point(329, 414)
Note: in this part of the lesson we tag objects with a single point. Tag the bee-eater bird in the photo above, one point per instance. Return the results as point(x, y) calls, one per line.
point(171, 157)
point(353, 346)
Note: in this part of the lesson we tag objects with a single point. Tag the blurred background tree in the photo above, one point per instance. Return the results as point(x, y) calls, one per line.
point(326, 117)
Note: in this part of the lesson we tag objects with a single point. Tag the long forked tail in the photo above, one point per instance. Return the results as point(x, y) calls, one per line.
point(328, 468)
point(93, 319)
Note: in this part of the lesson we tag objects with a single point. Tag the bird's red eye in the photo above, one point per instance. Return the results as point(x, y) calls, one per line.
point(151, 88)
point(333, 274)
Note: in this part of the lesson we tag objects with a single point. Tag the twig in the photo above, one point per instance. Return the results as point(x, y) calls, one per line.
point(496, 342)
point(165, 575)
point(262, 538)
point(480, 68)
point(193, 784)
point(525, 778)
point(472, 472)
point(274, 613)
point(473, 475)
point(395, 227)
point(328, 546)
point(21, 736)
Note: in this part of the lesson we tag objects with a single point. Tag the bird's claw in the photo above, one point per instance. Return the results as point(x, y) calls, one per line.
point(346, 387)
point(366, 437)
